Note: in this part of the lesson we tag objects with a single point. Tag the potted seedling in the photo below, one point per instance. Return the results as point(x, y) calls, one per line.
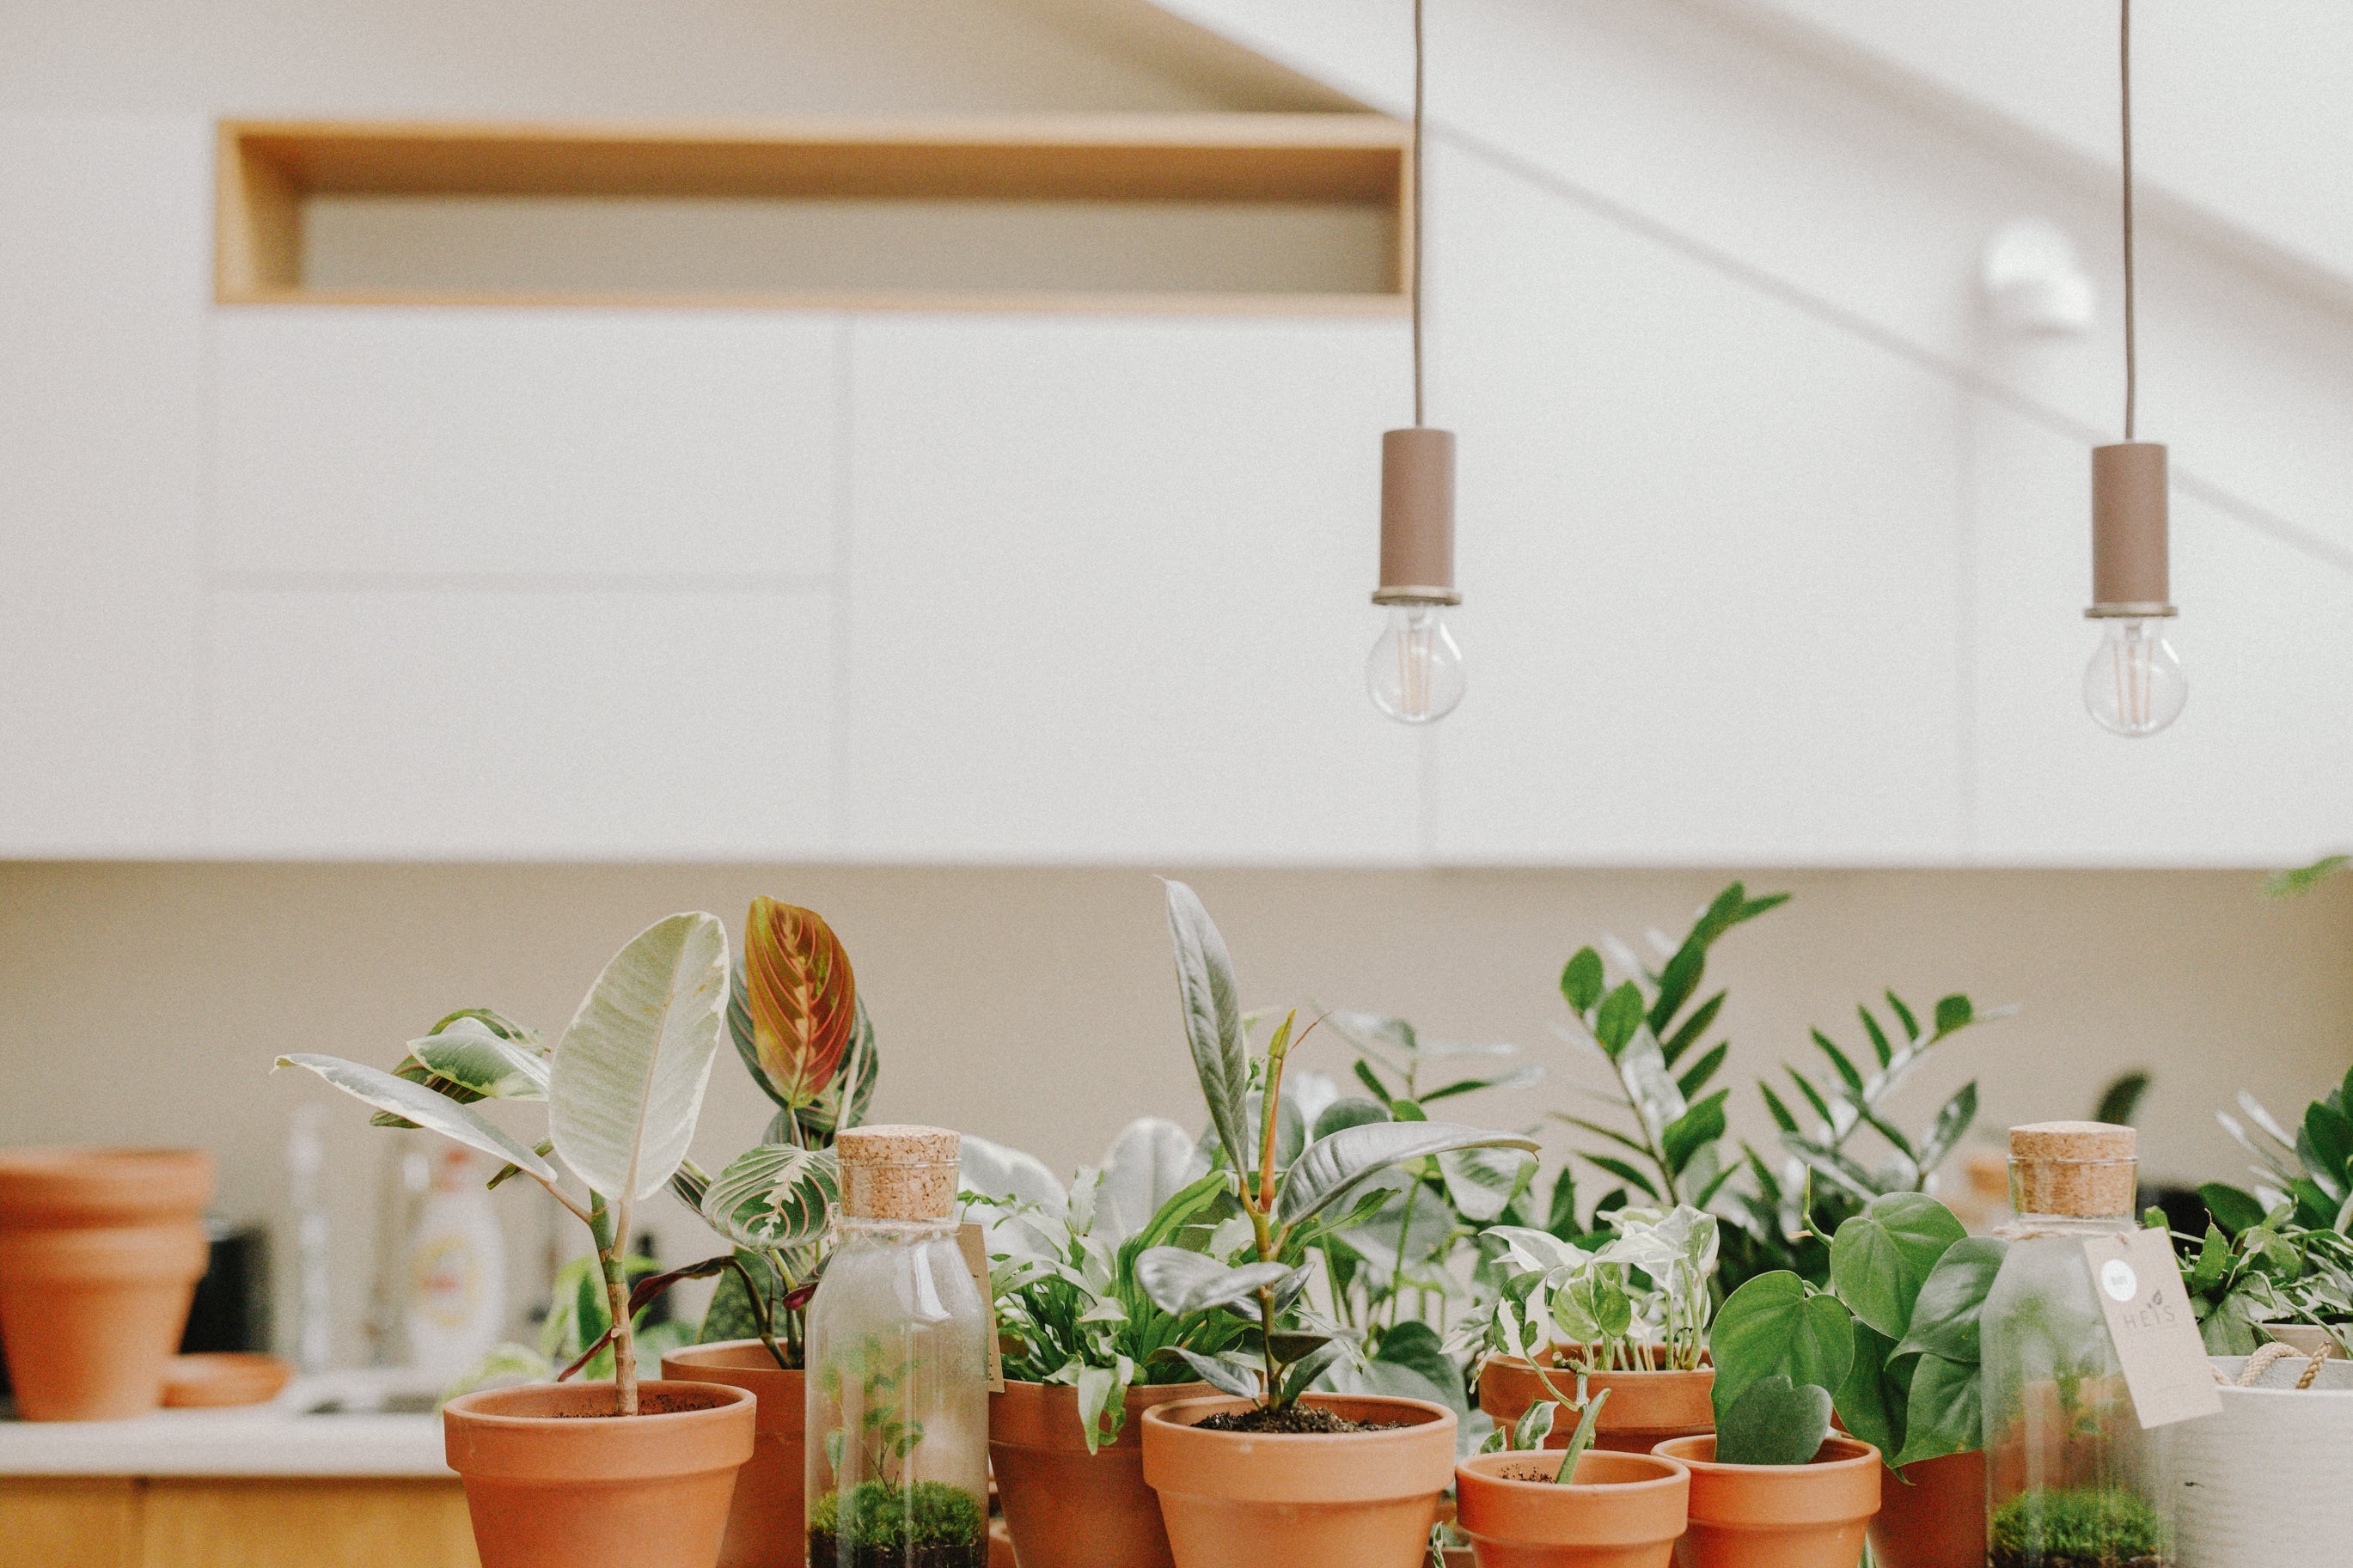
point(1083, 1347)
point(565, 1473)
point(1586, 1508)
point(1270, 1472)
point(1629, 1317)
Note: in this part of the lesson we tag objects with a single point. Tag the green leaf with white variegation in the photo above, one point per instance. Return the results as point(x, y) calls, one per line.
point(1483, 1182)
point(631, 1069)
point(469, 1055)
point(1333, 1166)
point(1208, 998)
point(1182, 1282)
point(1526, 1250)
point(421, 1105)
point(772, 1196)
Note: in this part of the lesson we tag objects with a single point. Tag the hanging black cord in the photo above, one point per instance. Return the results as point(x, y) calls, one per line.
point(1417, 205)
point(2132, 366)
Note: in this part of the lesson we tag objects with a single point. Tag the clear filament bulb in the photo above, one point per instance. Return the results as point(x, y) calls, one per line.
point(1415, 672)
point(2134, 685)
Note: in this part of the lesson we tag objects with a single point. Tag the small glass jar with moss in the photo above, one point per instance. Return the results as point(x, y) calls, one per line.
point(2073, 1481)
point(897, 1436)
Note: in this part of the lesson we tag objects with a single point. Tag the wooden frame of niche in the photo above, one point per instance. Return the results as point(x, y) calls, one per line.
point(266, 168)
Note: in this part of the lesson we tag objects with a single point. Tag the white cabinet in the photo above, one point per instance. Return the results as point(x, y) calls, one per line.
point(1709, 549)
point(569, 443)
point(104, 268)
point(1108, 590)
point(439, 723)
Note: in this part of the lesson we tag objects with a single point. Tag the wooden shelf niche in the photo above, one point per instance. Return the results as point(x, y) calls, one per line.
point(1293, 213)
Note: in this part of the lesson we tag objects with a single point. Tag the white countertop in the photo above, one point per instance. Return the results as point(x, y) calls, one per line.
point(279, 1438)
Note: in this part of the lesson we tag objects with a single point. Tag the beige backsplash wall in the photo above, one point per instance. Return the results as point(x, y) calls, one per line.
point(143, 1003)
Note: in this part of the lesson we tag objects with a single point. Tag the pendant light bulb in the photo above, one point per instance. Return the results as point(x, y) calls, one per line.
point(1415, 671)
point(2134, 685)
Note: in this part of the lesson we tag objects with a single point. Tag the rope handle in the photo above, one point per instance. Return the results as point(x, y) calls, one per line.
point(2268, 1356)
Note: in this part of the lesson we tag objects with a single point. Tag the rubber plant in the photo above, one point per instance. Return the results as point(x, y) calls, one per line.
point(623, 1086)
point(1286, 1209)
point(1892, 1344)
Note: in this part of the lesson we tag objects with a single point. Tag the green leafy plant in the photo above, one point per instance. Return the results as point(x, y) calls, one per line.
point(2249, 1270)
point(623, 1087)
point(1823, 1180)
point(1070, 1309)
point(2076, 1526)
point(1640, 1302)
point(1894, 1342)
point(1644, 1027)
point(1288, 1207)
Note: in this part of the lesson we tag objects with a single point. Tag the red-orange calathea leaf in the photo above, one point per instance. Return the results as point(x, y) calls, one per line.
point(804, 999)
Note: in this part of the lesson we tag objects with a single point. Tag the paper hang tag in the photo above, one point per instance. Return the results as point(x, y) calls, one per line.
point(2139, 1286)
point(971, 1243)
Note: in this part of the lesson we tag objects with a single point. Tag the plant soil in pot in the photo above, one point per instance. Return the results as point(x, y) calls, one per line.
point(1777, 1516)
point(1645, 1408)
point(765, 1522)
point(1362, 1498)
point(1067, 1508)
point(101, 1250)
point(1932, 1514)
point(556, 1479)
point(1618, 1510)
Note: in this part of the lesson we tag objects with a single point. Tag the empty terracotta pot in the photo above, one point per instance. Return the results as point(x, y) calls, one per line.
point(1619, 1510)
point(1645, 1408)
point(1777, 1516)
point(1938, 1520)
point(1067, 1508)
point(101, 1250)
point(766, 1525)
point(1250, 1500)
point(555, 1480)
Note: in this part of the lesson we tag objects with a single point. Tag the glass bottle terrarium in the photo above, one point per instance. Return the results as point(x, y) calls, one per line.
point(2073, 1481)
point(897, 1436)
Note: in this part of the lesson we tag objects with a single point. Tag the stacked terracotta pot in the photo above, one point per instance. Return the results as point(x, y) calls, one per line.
point(101, 1250)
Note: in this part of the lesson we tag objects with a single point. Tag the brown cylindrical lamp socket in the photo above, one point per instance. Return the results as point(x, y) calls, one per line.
point(2129, 574)
point(1417, 518)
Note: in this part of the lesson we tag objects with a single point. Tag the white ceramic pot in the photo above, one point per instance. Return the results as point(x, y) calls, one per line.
point(2270, 1479)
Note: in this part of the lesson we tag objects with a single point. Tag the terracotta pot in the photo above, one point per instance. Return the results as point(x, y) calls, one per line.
point(101, 1250)
point(1621, 1510)
point(766, 1525)
point(555, 1480)
point(1938, 1520)
point(1777, 1516)
point(1351, 1500)
point(1645, 1408)
point(1064, 1507)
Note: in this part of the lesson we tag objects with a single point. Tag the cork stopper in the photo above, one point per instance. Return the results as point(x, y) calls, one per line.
point(898, 1173)
point(2086, 1170)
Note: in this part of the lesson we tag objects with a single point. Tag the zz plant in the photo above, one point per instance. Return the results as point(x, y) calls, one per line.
point(1287, 1209)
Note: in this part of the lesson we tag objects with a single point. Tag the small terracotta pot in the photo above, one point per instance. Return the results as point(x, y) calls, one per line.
point(766, 1525)
point(1938, 1520)
point(1621, 1510)
point(101, 1250)
point(1645, 1408)
point(555, 1480)
point(1067, 1508)
point(1777, 1516)
point(1343, 1499)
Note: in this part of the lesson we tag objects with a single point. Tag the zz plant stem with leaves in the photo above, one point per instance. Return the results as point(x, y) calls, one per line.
point(624, 1087)
point(1288, 1208)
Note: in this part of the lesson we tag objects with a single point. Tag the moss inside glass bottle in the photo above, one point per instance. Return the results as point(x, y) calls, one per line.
point(2073, 1481)
point(898, 1401)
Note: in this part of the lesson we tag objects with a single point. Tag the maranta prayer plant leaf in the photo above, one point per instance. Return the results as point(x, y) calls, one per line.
point(800, 999)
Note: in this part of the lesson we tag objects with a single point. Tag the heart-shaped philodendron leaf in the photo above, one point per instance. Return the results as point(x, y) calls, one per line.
point(1774, 1422)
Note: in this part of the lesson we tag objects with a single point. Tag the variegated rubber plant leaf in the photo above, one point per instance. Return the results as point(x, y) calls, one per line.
point(773, 1196)
point(793, 1011)
point(474, 1054)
